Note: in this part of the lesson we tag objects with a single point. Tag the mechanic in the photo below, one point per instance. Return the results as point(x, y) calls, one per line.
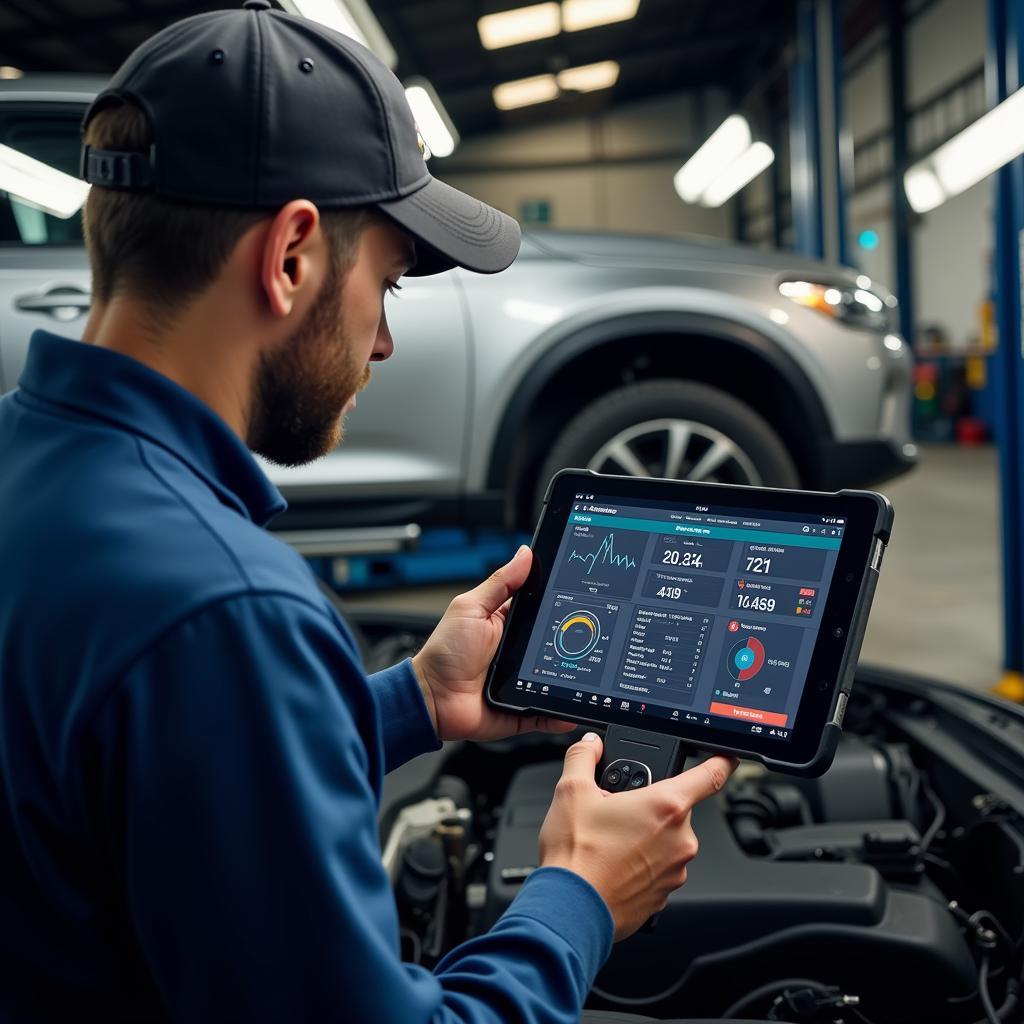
point(191, 753)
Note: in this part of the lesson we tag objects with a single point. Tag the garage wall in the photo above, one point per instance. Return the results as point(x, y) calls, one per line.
point(609, 172)
point(951, 245)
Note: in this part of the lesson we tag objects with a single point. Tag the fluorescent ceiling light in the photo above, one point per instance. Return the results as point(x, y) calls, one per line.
point(727, 143)
point(581, 14)
point(40, 185)
point(993, 140)
point(924, 191)
point(523, 25)
point(542, 21)
point(589, 77)
point(431, 118)
point(742, 171)
point(352, 18)
point(525, 91)
point(6, 71)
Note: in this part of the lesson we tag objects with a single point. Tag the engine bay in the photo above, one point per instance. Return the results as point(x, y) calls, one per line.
point(890, 890)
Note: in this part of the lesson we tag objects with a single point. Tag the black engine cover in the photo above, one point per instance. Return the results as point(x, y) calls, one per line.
point(742, 921)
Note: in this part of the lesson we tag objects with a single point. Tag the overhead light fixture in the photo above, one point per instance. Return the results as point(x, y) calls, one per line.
point(432, 119)
point(580, 14)
point(729, 141)
point(524, 92)
point(542, 21)
point(352, 18)
point(981, 148)
point(523, 25)
point(7, 72)
point(589, 77)
point(739, 173)
point(923, 188)
point(40, 185)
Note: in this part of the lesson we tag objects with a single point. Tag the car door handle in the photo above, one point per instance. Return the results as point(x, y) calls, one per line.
point(62, 302)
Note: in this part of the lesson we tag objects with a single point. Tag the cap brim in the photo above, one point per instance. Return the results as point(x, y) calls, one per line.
point(454, 230)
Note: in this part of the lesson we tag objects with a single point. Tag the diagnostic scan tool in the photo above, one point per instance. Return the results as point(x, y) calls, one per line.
point(690, 616)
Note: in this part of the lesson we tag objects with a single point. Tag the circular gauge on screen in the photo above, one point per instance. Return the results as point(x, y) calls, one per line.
point(577, 635)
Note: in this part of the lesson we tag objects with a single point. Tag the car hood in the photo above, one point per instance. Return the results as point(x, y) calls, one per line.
point(655, 251)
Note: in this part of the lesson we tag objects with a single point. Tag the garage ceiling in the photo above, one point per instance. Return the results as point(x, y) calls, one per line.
point(670, 45)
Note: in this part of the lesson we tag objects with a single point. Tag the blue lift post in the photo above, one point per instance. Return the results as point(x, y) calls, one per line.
point(818, 170)
point(1004, 74)
point(901, 213)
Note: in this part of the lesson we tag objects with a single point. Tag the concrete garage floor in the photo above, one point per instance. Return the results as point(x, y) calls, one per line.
point(938, 609)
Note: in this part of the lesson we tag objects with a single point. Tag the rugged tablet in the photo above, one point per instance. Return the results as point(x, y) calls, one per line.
point(726, 617)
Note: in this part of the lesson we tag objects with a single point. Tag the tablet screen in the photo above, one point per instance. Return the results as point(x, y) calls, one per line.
point(702, 613)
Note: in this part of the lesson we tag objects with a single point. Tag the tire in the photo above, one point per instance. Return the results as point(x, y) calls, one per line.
point(639, 429)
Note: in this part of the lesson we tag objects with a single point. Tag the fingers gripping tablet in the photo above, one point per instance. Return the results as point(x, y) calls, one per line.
point(728, 618)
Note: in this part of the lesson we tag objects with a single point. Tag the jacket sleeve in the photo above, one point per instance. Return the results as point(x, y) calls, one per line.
point(405, 722)
point(238, 773)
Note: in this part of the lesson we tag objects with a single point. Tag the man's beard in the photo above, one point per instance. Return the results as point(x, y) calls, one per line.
point(302, 388)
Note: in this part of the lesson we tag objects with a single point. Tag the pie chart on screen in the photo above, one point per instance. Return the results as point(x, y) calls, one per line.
point(746, 659)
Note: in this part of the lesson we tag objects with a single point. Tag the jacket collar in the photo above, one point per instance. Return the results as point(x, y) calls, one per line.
point(121, 391)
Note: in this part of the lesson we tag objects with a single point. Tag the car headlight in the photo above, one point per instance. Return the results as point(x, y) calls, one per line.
point(857, 307)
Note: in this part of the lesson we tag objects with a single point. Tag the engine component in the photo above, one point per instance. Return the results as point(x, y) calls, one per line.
point(743, 921)
point(858, 786)
point(412, 822)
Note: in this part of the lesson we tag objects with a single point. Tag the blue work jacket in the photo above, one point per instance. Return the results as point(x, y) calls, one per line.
point(191, 754)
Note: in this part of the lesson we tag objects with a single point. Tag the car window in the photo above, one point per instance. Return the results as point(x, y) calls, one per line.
point(51, 136)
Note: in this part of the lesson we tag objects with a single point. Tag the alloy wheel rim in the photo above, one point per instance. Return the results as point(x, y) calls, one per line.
point(676, 449)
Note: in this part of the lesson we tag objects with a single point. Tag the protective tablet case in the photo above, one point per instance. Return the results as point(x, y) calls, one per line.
point(821, 761)
point(881, 532)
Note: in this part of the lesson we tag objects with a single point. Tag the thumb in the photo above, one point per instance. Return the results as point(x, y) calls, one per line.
point(504, 582)
point(582, 757)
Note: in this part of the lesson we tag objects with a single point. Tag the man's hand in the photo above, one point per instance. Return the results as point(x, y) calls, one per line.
point(452, 665)
point(633, 847)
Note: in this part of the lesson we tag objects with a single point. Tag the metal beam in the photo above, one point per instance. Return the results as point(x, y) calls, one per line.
point(804, 143)
point(455, 78)
point(147, 21)
point(1003, 75)
point(819, 171)
point(901, 214)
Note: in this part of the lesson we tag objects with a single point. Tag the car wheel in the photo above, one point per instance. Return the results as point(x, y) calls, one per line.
point(674, 429)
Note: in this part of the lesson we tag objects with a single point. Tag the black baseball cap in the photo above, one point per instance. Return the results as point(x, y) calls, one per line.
point(253, 107)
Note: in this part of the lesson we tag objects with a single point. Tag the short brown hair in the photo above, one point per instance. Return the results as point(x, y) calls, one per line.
point(164, 252)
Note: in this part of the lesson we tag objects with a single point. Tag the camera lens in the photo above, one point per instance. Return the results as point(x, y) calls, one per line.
point(638, 780)
point(614, 777)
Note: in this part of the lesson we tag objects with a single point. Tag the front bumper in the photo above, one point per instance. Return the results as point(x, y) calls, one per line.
point(862, 463)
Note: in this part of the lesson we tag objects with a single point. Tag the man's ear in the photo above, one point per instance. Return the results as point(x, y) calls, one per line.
point(293, 254)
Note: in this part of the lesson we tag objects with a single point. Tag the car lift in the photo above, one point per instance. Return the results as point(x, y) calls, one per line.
point(1004, 74)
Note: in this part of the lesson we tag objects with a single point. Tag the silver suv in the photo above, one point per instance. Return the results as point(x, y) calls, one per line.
point(649, 356)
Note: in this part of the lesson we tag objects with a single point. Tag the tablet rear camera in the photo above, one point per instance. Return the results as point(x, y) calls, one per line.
point(637, 781)
point(614, 777)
